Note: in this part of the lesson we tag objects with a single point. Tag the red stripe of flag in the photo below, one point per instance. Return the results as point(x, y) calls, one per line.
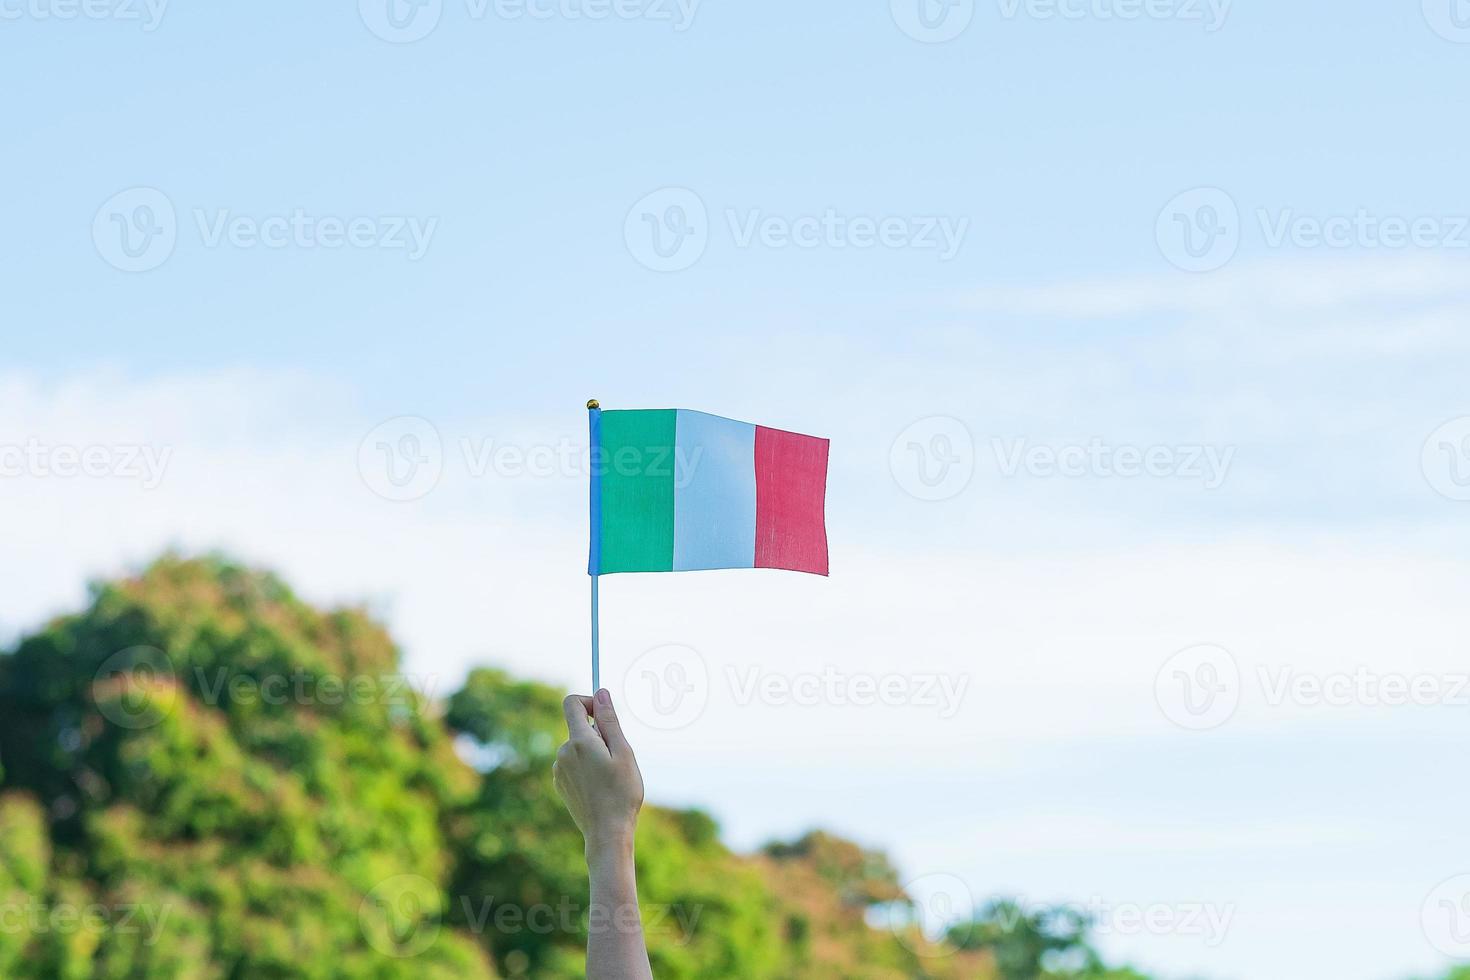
point(790, 501)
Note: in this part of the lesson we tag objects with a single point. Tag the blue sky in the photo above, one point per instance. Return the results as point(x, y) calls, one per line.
point(529, 155)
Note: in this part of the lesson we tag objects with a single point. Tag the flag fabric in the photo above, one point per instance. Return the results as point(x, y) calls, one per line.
point(679, 491)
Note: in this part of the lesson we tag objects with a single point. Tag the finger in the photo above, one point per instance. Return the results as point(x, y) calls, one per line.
point(578, 710)
point(609, 726)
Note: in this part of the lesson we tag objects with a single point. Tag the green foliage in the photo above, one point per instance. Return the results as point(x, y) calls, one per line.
point(1022, 941)
point(518, 847)
point(860, 875)
point(216, 806)
point(201, 776)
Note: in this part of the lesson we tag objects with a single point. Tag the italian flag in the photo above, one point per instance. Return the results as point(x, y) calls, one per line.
point(680, 491)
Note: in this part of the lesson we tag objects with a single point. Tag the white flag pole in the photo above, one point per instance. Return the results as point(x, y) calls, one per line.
point(596, 680)
point(593, 411)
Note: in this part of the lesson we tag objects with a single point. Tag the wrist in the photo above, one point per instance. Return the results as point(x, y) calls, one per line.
point(610, 848)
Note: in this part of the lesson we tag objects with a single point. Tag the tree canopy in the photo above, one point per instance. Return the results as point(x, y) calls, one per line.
point(203, 776)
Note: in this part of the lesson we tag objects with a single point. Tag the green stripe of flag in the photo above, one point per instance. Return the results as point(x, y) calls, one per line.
point(637, 480)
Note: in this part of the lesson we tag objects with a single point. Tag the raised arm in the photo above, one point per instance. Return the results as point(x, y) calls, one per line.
point(598, 778)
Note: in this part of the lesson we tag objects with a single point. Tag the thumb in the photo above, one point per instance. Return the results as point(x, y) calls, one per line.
point(608, 724)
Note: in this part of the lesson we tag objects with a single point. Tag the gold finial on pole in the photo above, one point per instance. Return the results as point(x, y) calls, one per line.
point(592, 404)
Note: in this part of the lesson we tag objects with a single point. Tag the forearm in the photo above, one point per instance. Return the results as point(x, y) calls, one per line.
point(615, 949)
point(597, 776)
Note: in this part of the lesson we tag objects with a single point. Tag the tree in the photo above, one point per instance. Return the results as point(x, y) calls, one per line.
point(202, 776)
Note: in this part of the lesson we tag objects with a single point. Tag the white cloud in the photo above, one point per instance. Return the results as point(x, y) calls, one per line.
point(1301, 286)
point(1063, 642)
point(1056, 602)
